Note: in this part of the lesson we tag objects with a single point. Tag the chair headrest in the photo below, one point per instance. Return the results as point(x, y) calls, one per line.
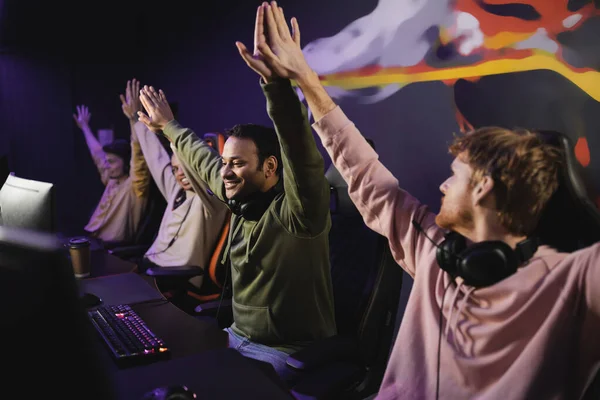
point(340, 202)
point(216, 140)
point(570, 220)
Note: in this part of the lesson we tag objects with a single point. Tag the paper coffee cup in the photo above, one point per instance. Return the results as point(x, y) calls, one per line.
point(79, 249)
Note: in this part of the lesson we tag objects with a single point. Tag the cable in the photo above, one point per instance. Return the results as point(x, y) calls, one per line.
point(439, 350)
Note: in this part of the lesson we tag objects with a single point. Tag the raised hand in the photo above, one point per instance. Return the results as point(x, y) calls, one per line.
point(279, 49)
point(157, 108)
point(255, 60)
point(82, 118)
point(130, 102)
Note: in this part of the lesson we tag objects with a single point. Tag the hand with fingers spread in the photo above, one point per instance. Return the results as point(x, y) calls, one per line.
point(82, 118)
point(130, 102)
point(275, 47)
point(157, 108)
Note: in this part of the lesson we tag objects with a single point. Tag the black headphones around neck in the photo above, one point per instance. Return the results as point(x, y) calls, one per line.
point(484, 263)
point(254, 206)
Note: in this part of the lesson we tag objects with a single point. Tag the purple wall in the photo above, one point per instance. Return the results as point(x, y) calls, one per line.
point(52, 62)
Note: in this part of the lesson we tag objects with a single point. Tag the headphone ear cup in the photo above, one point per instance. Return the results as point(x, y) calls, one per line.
point(486, 263)
point(234, 206)
point(255, 205)
point(254, 209)
point(246, 210)
point(251, 209)
point(447, 254)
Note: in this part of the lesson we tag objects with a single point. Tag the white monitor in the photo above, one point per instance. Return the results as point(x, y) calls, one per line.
point(29, 204)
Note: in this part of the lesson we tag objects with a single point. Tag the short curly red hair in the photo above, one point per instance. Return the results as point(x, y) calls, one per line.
point(525, 171)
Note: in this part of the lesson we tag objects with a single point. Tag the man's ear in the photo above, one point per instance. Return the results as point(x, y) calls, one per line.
point(483, 190)
point(270, 166)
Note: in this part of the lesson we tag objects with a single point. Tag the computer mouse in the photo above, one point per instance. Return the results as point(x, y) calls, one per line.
point(90, 300)
point(172, 392)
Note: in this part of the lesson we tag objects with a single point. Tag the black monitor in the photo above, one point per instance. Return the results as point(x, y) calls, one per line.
point(4, 170)
point(49, 346)
point(28, 204)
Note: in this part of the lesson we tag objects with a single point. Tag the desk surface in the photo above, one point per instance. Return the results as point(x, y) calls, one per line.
point(200, 358)
point(215, 374)
point(104, 264)
point(183, 333)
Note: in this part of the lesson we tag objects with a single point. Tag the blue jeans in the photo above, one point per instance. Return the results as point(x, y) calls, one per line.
point(264, 353)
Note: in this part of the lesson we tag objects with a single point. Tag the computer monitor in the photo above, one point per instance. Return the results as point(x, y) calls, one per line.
point(28, 204)
point(4, 170)
point(49, 346)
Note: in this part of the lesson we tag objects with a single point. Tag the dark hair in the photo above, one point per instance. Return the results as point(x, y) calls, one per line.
point(265, 139)
point(121, 148)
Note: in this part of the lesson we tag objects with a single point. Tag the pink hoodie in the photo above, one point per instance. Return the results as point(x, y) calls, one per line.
point(533, 335)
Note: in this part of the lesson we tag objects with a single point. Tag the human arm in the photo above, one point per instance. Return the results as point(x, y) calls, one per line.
point(138, 171)
point(82, 119)
point(384, 206)
point(140, 174)
point(157, 159)
point(589, 259)
point(279, 52)
point(201, 160)
point(212, 204)
point(306, 189)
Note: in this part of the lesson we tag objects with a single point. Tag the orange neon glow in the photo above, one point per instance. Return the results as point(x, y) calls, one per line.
point(582, 151)
point(552, 15)
point(463, 124)
point(498, 54)
point(495, 44)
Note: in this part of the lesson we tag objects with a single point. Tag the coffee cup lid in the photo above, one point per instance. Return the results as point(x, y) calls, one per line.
point(79, 242)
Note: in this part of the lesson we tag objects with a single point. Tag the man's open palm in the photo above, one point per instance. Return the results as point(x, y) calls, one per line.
point(158, 112)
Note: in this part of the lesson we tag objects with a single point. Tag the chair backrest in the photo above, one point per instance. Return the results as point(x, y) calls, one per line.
point(571, 220)
point(366, 283)
point(212, 288)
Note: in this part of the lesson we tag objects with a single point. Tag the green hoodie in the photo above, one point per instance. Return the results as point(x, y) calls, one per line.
point(282, 293)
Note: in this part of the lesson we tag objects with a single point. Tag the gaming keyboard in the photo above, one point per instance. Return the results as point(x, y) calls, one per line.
point(129, 341)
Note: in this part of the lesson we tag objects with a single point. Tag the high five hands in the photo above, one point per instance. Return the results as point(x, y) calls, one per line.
point(277, 52)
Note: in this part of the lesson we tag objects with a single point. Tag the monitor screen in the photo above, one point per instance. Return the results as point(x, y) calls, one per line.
point(28, 204)
point(47, 339)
